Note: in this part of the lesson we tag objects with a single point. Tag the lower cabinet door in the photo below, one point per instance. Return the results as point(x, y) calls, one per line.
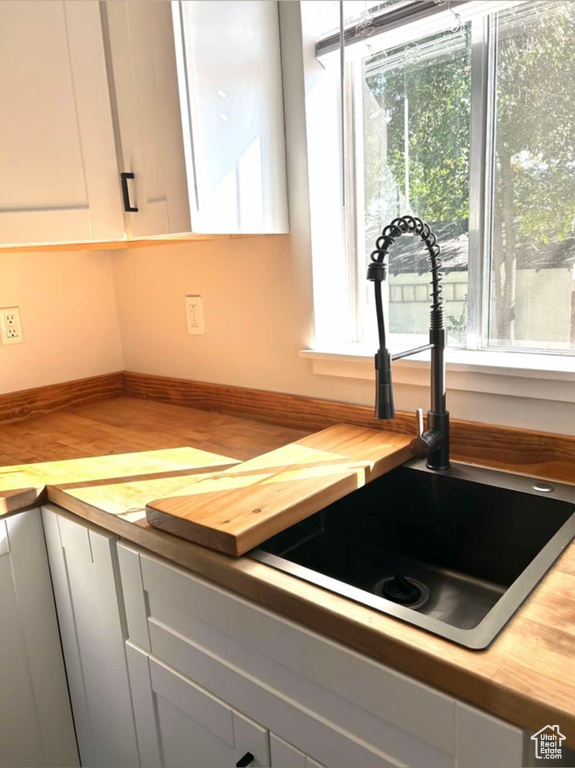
point(36, 726)
point(83, 562)
point(178, 723)
point(285, 755)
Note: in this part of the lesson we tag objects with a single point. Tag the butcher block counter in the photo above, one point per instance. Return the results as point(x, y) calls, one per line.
point(117, 456)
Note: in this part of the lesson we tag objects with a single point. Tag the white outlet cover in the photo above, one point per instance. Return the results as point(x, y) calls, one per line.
point(10, 326)
point(194, 315)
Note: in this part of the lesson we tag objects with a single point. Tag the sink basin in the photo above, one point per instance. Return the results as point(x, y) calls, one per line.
point(471, 543)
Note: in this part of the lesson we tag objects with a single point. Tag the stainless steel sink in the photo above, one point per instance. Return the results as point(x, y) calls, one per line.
point(471, 544)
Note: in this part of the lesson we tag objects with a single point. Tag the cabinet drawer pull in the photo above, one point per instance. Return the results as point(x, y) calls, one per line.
point(245, 760)
point(126, 192)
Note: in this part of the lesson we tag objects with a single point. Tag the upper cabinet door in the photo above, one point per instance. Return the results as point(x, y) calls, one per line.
point(58, 167)
point(146, 89)
point(231, 88)
point(186, 96)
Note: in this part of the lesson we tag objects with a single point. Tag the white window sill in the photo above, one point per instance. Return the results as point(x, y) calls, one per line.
point(546, 377)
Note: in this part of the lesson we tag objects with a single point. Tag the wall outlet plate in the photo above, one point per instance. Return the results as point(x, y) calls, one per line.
point(10, 326)
point(194, 315)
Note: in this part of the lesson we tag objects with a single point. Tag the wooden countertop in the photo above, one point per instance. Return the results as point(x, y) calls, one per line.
point(527, 675)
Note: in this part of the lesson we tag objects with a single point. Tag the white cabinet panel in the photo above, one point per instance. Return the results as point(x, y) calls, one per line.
point(134, 597)
point(189, 101)
point(251, 739)
point(283, 755)
point(333, 745)
point(252, 659)
point(179, 723)
point(229, 58)
point(146, 88)
point(58, 161)
point(36, 726)
point(84, 574)
point(375, 703)
point(315, 696)
point(485, 741)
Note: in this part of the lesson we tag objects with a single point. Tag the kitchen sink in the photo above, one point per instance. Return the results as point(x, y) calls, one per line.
point(453, 552)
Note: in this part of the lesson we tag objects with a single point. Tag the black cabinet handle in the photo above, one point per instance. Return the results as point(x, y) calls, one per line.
point(126, 193)
point(245, 760)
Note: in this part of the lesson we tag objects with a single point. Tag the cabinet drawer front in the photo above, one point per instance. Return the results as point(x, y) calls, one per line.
point(180, 723)
point(197, 703)
point(397, 715)
point(486, 741)
point(297, 682)
point(270, 706)
point(283, 755)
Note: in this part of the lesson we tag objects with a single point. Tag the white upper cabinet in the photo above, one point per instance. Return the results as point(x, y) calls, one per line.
point(229, 57)
point(148, 106)
point(58, 168)
point(185, 96)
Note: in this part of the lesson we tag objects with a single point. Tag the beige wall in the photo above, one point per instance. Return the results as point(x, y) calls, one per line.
point(69, 318)
point(257, 303)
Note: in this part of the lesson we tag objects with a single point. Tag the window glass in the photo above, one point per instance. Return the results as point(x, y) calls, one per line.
point(532, 242)
point(413, 158)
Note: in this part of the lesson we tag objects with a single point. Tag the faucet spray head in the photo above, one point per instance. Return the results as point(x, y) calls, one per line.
point(384, 408)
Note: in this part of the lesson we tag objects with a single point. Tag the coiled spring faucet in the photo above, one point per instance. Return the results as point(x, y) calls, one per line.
point(434, 442)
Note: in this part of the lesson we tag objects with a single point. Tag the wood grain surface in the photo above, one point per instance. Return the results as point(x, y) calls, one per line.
point(18, 499)
point(19, 405)
point(120, 439)
point(235, 510)
point(539, 454)
point(527, 675)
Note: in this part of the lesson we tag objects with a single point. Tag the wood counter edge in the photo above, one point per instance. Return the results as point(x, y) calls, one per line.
point(235, 545)
point(20, 499)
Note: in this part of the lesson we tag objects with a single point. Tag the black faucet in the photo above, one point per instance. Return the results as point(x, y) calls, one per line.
point(434, 442)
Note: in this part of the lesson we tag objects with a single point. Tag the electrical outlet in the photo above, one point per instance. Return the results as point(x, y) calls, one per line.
point(194, 315)
point(10, 326)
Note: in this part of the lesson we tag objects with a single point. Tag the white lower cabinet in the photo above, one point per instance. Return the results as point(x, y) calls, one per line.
point(167, 669)
point(36, 727)
point(321, 703)
point(83, 562)
point(181, 724)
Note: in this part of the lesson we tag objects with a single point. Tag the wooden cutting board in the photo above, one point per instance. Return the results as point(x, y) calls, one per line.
point(235, 510)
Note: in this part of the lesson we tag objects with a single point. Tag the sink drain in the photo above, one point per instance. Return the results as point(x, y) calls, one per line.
point(403, 590)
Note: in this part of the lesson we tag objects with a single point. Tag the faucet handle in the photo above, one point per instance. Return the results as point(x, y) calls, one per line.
point(419, 417)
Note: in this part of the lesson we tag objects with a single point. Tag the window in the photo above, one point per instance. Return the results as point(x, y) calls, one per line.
point(473, 130)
